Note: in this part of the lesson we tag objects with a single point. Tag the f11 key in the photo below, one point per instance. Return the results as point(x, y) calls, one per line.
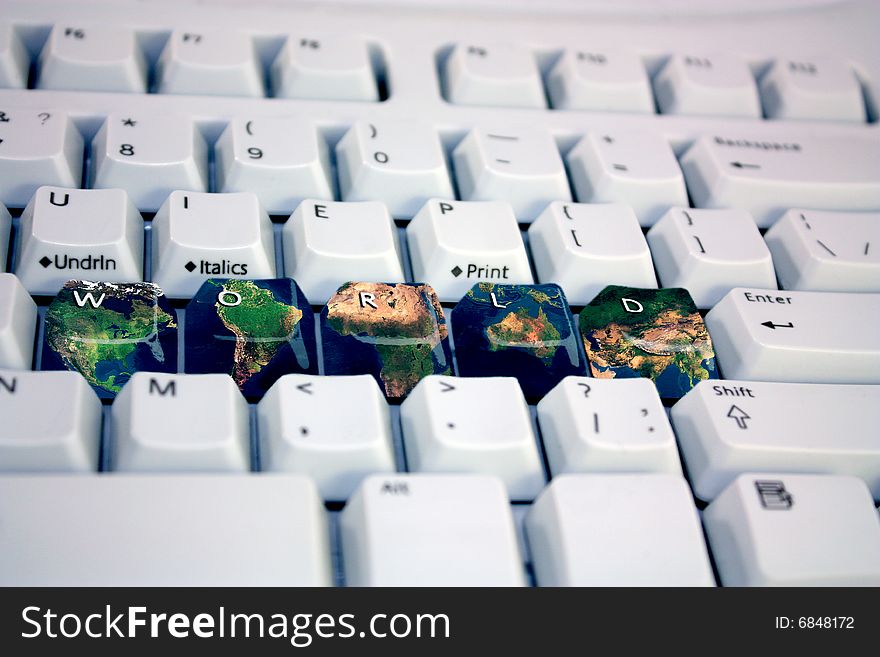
point(806, 337)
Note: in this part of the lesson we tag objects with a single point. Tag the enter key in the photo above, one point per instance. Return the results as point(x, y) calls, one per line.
point(806, 337)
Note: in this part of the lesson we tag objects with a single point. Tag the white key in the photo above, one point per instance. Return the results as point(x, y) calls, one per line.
point(521, 166)
point(180, 422)
point(584, 247)
point(197, 236)
point(710, 252)
point(79, 234)
point(282, 161)
point(478, 425)
point(497, 75)
point(37, 148)
point(51, 422)
point(149, 156)
point(767, 177)
point(794, 530)
point(617, 530)
point(638, 169)
point(302, 430)
point(817, 88)
point(328, 67)
point(728, 427)
point(209, 63)
point(18, 322)
point(5, 235)
point(430, 530)
point(715, 85)
point(155, 530)
point(827, 251)
point(400, 163)
point(807, 337)
point(327, 244)
point(602, 425)
point(601, 81)
point(456, 244)
point(14, 59)
point(92, 57)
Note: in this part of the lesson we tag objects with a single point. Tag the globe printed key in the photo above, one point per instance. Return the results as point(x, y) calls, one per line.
point(630, 332)
point(396, 332)
point(109, 331)
point(524, 331)
point(254, 330)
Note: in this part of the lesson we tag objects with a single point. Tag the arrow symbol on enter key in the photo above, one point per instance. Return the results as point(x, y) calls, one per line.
point(739, 415)
point(771, 325)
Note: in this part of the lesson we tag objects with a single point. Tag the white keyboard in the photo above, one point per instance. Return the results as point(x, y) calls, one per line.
point(567, 284)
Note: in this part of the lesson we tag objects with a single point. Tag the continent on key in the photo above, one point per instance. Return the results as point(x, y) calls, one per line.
point(396, 332)
point(657, 334)
point(253, 330)
point(524, 331)
point(109, 331)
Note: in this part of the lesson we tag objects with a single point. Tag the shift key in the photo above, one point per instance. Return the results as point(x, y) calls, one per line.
point(806, 337)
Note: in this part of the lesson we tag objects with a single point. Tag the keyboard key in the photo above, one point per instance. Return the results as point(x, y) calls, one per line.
point(522, 167)
point(794, 530)
point(109, 331)
point(617, 530)
point(394, 331)
point(806, 337)
point(767, 178)
point(92, 58)
point(327, 244)
point(302, 430)
point(601, 81)
point(728, 427)
point(597, 425)
point(447, 428)
point(638, 169)
point(218, 530)
point(188, 423)
point(79, 233)
point(827, 251)
point(498, 75)
point(37, 148)
point(819, 88)
point(658, 334)
point(209, 63)
point(149, 156)
point(14, 59)
point(329, 67)
point(253, 330)
point(584, 247)
point(197, 236)
point(430, 530)
point(710, 252)
point(522, 331)
point(5, 235)
point(717, 85)
point(51, 422)
point(282, 161)
point(455, 244)
point(18, 322)
point(400, 163)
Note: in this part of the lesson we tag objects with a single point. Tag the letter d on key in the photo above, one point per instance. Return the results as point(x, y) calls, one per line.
point(631, 305)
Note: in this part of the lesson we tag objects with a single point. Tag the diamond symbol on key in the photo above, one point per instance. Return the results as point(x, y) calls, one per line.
point(456, 271)
point(190, 266)
point(45, 261)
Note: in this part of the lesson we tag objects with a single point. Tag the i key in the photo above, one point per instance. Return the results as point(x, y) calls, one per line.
point(79, 233)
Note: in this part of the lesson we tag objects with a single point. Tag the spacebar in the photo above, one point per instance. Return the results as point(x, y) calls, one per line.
point(162, 530)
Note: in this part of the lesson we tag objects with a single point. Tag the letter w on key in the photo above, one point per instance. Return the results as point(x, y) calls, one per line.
point(88, 297)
